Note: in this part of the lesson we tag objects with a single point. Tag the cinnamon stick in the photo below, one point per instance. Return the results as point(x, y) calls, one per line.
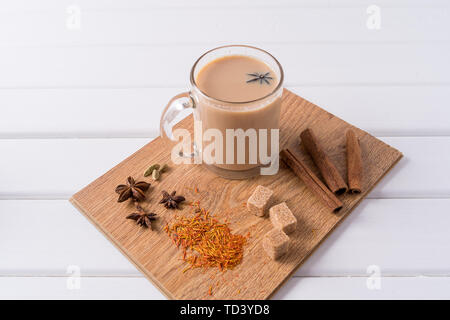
point(354, 162)
point(311, 180)
point(327, 169)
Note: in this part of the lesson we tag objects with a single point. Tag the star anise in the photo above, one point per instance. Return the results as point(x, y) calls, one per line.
point(133, 189)
point(260, 77)
point(142, 218)
point(171, 201)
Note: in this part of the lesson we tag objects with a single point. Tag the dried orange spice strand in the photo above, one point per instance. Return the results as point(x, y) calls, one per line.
point(206, 242)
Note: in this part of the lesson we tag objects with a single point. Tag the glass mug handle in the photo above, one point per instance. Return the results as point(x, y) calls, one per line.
point(178, 107)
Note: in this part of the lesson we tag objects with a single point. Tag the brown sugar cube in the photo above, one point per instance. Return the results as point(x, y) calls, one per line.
point(282, 218)
point(258, 200)
point(275, 243)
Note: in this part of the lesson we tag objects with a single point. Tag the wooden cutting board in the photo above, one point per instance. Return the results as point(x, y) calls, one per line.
point(257, 277)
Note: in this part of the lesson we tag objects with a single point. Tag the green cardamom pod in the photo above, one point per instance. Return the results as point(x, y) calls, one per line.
point(150, 170)
point(155, 174)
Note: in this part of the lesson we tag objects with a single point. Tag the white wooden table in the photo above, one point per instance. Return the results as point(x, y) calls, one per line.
point(82, 87)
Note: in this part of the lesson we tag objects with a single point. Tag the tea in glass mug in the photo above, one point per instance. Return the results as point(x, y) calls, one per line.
point(235, 96)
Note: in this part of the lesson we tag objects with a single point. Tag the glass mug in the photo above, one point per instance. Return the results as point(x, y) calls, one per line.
point(211, 113)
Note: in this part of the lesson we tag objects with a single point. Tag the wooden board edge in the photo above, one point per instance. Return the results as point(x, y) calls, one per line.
point(289, 276)
point(73, 201)
point(149, 277)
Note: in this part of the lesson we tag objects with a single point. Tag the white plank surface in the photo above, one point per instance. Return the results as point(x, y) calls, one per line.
point(392, 234)
point(357, 289)
point(152, 66)
point(75, 102)
point(297, 288)
point(381, 110)
point(57, 288)
point(249, 24)
point(103, 5)
point(60, 167)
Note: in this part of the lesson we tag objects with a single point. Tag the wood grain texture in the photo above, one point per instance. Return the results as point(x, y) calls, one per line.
point(257, 277)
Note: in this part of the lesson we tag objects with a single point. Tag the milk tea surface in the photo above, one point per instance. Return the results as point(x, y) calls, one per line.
point(236, 78)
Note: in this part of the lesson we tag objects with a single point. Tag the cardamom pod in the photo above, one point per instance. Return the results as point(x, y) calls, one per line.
point(155, 174)
point(150, 170)
point(164, 168)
